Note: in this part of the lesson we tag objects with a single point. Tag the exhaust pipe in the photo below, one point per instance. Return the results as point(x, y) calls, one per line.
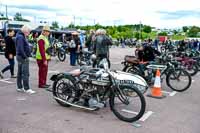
point(75, 105)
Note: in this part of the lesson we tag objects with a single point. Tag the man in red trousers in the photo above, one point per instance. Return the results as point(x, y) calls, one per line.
point(43, 57)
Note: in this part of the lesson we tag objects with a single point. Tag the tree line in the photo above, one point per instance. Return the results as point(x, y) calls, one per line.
point(138, 31)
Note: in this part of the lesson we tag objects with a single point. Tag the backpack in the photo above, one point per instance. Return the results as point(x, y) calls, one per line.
point(72, 44)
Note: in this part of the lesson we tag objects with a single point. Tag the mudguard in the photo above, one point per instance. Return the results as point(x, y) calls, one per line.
point(57, 76)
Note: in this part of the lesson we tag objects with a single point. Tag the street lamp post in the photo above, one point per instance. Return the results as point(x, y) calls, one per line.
point(140, 30)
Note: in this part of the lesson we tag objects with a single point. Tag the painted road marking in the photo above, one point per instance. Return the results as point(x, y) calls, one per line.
point(50, 71)
point(21, 99)
point(173, 93)
point(187, 80)
point(146, 116)
point(5, 81)
point(143, 118)
point(137, 125)
point(166, 92)
point(128, 111)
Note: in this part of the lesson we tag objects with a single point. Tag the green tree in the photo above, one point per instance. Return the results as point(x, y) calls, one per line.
point(147, 29)
point(175, 32)
point(185, 28)
point(162, 34)
point(71, 25)
point(2, 17)
point(137, 35)
point(55, 25)
point(193, 32)
point(18, 17)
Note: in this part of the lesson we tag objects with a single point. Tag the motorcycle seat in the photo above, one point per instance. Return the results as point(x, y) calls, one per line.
point(131, 59)
point(75, 72)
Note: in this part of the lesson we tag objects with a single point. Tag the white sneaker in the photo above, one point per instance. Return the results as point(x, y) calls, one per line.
point(30, 91)
point(20, 90)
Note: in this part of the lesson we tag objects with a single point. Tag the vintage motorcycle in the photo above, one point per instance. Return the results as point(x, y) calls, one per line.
point(90, 88)
point(85, 58)
point(177, 78)
point(58, 49)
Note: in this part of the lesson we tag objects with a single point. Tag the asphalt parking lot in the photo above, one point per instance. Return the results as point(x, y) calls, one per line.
point(39, 113)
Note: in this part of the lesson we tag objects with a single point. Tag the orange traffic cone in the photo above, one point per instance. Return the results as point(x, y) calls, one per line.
point(156, 90)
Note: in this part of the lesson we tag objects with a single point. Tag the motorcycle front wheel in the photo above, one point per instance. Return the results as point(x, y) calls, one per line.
point(129, 104)
point(61, 56)
point(64, 89)
point(178, 80)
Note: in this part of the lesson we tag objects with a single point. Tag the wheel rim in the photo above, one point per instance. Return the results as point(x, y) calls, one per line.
point(192, 70)
point(65, 90)
point(179, 80)
point(131, 105)
point(62, 56)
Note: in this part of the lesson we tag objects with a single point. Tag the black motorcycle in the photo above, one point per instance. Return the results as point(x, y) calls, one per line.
point(85, 58)
point(90, 88)
point(58, 49)
point(177, 78)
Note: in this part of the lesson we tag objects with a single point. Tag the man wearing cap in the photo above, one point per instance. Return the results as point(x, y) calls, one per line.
point(74, 48)
point(43, 57)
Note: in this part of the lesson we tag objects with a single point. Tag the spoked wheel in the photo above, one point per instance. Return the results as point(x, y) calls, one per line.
point(61, 56)
point(134, 70)
point(198, 64)
point(128, 104)
point(179, 80)
point(80, 59)
point(64, 89)
point(192, 70)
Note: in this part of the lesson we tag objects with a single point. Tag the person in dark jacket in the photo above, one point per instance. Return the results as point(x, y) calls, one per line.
point(101, 46)
point(147, 53)
point(102, 43)
point(23, 53)
point(90, 41)
point(74, 48)
point(10, 52)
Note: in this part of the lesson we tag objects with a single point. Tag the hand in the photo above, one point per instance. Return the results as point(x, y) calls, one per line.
point(45, 62)
point(10, 56)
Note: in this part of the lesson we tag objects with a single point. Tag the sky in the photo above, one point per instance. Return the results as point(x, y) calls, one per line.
point(156, 13)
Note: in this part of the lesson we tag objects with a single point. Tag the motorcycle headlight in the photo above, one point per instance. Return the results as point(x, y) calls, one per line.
point(93, 57)
point(59, 45)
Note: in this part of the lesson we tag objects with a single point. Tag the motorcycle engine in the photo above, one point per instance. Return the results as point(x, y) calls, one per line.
point(94, 103)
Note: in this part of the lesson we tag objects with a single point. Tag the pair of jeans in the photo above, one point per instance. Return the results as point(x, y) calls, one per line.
point(23, 73)
point(43, 69)
point(10, 66)
point(72, 58)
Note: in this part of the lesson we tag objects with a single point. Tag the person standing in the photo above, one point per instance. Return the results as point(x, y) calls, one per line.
point(43, 57)
point(23, 53)
point(10, 52)
point(90, 41)
point(74, 48)
point(101, 47)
